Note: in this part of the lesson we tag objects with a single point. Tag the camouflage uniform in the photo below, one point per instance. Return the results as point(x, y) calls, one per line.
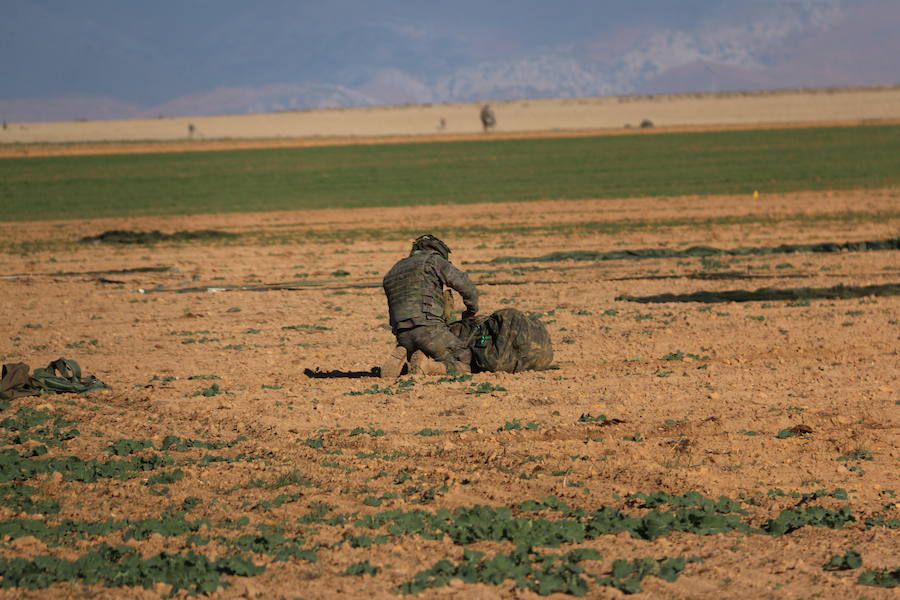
point(414, 289)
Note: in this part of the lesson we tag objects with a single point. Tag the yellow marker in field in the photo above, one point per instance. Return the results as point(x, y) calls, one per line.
point(756, 194)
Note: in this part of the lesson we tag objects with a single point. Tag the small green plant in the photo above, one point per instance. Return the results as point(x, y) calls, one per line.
point(802, 302)
point(166, 477)
point(428, 432)
point(886, 578)
point(856, 455)
point(795, 431)
point(371, 431)
point(361, 568)
point(125, 447)
point(464, 428)
point(485, 387)
point(306, 328)
point(212, 390)
point(850, 560)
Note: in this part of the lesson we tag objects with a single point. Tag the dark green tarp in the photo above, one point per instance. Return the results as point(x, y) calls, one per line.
point(124, 236)
point(763, 294)
point(703, 251)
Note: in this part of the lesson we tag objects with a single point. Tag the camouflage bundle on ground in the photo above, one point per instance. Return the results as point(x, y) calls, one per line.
point(507, 340)
point(61, 376)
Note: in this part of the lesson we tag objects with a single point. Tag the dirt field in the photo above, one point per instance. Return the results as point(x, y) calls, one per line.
point(613, 114)
point(694, 395)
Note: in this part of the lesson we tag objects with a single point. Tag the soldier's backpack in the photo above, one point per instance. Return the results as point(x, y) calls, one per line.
point(507, 340)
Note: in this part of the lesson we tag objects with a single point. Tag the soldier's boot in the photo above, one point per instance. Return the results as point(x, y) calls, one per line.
point(460, 364)
point(456, 368)
point(420, 364)
point(393, 366)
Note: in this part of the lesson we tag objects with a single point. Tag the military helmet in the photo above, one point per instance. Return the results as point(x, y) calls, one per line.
point(429, 242)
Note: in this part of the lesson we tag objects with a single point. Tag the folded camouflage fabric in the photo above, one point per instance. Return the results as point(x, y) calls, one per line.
point(507, 340)
point(15, 382)
point(61, 376)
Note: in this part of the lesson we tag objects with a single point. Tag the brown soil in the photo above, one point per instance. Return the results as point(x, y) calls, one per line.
point(758, 367)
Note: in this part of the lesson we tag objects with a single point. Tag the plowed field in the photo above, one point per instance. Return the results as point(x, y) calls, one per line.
point(258, 353)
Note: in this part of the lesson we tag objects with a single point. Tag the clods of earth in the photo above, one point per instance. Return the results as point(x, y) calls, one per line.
point(246, 448)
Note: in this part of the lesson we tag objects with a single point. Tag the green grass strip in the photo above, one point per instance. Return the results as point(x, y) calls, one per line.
point(671, 164)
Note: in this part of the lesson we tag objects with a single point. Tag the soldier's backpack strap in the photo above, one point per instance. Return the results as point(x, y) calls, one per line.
point(63, 375)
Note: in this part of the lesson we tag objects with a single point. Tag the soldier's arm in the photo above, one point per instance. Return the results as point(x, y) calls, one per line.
point(459, 281)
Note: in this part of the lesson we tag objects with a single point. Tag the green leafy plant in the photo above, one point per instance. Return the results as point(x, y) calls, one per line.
point(886, 578)
point(428, 432)
point(484, 387)
point(362, 568)
point(125, 447)
point(306, 328)
point(212, 390)
point(371, 431)
point(855, 455)
point(851, 559)
point(124, 566)
point(792, 519)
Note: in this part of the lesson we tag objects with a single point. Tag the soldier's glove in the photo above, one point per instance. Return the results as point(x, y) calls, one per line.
point(468, 314)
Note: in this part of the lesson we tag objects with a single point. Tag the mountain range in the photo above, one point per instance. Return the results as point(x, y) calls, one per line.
point(103, 59)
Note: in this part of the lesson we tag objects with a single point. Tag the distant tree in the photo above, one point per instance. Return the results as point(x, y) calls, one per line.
point(488, 119)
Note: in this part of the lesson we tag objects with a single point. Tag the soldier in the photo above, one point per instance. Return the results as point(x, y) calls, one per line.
point(415, 294)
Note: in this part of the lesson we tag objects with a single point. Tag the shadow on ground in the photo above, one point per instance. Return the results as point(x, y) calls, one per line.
point(337, 374)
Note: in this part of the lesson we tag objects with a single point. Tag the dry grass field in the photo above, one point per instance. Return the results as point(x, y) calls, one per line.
point(553, 117)
point(297, 473)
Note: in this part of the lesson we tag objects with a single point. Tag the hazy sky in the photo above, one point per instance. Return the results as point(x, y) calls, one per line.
point(149, 53)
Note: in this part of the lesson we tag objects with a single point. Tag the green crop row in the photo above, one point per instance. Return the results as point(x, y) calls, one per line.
point(118, 566)
point(466, 525)
point(544, 573)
